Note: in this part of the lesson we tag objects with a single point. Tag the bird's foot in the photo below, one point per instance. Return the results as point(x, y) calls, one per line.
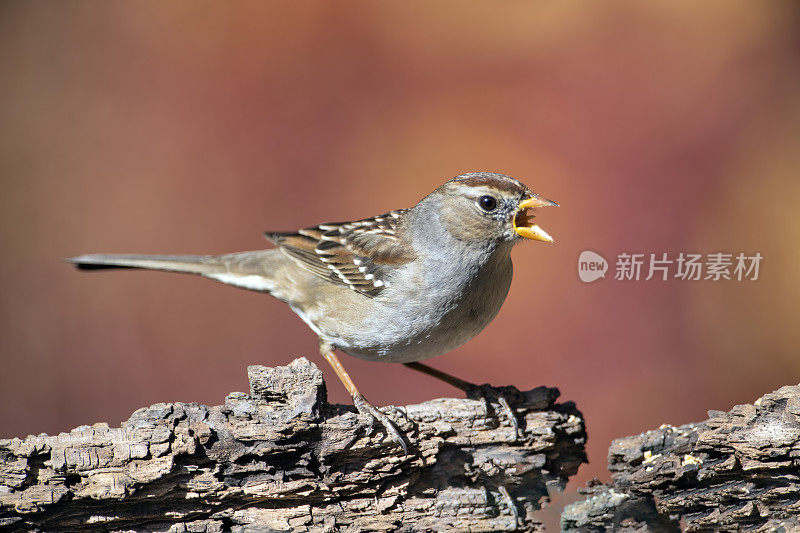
point(397, 412)
point(498, 395)
point(373, 413)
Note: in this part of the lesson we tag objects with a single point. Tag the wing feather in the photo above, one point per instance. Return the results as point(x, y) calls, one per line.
point(354, 254)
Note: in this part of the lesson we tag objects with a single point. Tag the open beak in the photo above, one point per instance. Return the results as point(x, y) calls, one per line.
point(523, 220)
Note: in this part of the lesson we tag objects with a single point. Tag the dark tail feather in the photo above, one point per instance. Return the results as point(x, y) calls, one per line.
point(192, 264)
point(91, 266)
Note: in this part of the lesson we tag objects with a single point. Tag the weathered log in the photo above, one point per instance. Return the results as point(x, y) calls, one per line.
point(737, 471)
point(282, 458)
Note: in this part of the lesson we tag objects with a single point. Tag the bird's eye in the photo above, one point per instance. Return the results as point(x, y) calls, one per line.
point(487, 203)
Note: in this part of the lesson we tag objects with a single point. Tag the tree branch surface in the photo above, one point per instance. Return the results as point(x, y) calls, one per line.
point(281, 458)
point(737, 471)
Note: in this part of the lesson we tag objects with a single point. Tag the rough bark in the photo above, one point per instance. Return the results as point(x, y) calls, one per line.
point(737, 471)
point(282, 458)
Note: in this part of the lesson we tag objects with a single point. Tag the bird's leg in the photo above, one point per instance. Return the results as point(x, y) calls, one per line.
point(361, 403)
point(472, 391)
point(458, 383)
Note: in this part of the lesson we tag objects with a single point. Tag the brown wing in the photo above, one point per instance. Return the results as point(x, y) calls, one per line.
point(354, 254)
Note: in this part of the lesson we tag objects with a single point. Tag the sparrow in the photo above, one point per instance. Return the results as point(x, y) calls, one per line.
point(400, 287)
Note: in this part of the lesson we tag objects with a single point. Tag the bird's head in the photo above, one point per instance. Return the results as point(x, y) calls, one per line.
point(487, 207)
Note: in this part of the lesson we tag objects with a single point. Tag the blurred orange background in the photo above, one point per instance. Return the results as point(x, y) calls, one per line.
point(191, 127)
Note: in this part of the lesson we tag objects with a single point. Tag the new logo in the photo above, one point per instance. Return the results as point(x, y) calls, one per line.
point(591, 266)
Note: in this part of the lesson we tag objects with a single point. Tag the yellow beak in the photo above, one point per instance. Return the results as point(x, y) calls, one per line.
point(523, 220)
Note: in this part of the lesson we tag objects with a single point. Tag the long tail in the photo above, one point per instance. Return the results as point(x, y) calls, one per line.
point(248, 270)
point(191, 264)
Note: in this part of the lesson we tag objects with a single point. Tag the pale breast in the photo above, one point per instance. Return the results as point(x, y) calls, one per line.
point(418, 316)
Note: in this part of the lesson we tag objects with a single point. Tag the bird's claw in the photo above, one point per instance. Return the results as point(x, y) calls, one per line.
point(510, 413)
point(399, 412)
point(487, 393)
point(373, 414)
